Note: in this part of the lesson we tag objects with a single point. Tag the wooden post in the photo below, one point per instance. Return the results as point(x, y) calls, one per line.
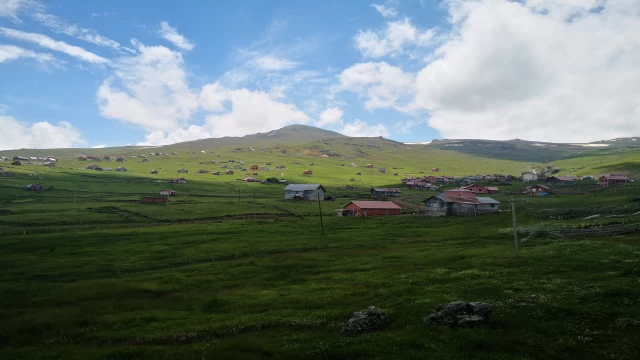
point(255, 211)
point(515, 229)
point(320, 209)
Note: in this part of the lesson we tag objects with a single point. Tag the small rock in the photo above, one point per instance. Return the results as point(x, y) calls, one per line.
point(460, 314)
point(364, 321)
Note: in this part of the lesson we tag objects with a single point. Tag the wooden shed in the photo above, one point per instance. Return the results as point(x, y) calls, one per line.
point(358, 208)
point(304, 192)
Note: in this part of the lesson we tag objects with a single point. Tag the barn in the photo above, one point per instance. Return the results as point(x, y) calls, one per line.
point(384, 192)
point(460, 206)
point(370, 208)
point(304, 192)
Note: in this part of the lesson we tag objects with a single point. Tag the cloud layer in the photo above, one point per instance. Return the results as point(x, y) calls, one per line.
point(40, 135)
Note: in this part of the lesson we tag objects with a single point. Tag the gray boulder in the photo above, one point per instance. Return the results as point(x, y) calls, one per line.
point(460, 314)
point(364, 321)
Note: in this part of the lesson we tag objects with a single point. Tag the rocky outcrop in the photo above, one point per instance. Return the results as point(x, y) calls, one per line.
point(364, 321)
point(460, 314)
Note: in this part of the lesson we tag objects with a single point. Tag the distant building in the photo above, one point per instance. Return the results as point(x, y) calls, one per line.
point(435, 170)
point(229, 172)
point(613, 179)
point(178, 181)
point(254, 168)
point(92, 167)
point(121, 169)
point(560, 181)
point(183, 171)
point(50, 163)
point(529, 176)
point(145, 160)
point(460, 206)
point(168, 192)
point(34, 187)
point(17, 163)
point(537, 189)
point(370, 208)
point(382, 170)
point(154, 171)
point(307, 172)
point(384, 192)
point(304, 192)
point(459, 193)
point(370, 166)
point(203, 171)
point(588, 177)
point(120, 159)
point(479, 189)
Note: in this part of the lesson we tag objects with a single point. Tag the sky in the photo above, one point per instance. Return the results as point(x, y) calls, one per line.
point(155, 72)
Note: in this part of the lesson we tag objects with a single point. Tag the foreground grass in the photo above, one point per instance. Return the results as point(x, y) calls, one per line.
point(278, 288)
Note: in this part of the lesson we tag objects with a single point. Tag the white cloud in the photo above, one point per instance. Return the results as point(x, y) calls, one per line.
point(331, 116)
point(11, 8)
point(274, 63)
point(62, 27)
point(383, 85)
point(254, 111)
point(10, 52)
point(397, 38)
point(387, 12)
point(407, 126)
point(150, 90)
point(48, 43)
point(41, 135)
point(159, 137)
point(551, 70)
point(359, 128)
point(101, 146)
point(172, 35)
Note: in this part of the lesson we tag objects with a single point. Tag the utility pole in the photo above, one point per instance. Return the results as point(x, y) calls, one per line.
point(255, 211)
point(320, 209)
point(74, 195)
point(515, 229)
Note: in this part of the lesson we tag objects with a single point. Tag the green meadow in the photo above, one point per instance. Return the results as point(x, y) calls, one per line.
point(229, 270)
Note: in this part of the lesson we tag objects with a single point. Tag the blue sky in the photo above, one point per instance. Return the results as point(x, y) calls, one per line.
point(156, 72)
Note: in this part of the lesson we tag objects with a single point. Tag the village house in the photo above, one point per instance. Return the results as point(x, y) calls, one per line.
point(106, 158)
point(459, 193)
point(588, 177)
point(237, 167)
point(17, 163)
point(309, 192)
point(370, 166)
point(34, 187)
point(120, 159)
point(107, 169)
point(382, 170)
point(49, 163)
point(121, 169)
point(537, 189)
point(435, 170)
point(529, 176)
point(168, 192)
point(82, 158)
point(183, 171)
point(460, 206)
point(560, 181)
point(92, 167)
point(254, 168)
point(479, 189)
point(203, 171)
point(358, 208)
point(178, 181)
point(613, 179)
point(307, 172)
point(250, 179)
point(229, 172)
point(384, 192)
point(154, 171)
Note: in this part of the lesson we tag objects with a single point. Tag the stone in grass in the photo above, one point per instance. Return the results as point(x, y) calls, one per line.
point(460, 314)
point(364, 321)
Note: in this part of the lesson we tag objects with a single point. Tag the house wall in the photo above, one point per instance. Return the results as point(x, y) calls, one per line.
point(529, 177)
point(435, 207)
point(310, 195)
point(456, 193)
point(457, 209)
point(488, 208)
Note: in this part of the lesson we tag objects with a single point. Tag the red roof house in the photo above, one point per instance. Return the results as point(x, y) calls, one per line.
point(479, 189)
point(307, 172)
point(459, 193)
point(613, 179)
point(370, 208)
point(536, 189)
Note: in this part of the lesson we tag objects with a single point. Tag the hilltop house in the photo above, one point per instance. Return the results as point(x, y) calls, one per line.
point(254, 168)
point(613, 179)
point(92, 167)
point(307, 172)
point(120, 159)
point(203, 171)
point(178, 181)
point(370, 166)
point(370, 208)
point(145, 160)
point(309, 192)
point(384, 192)
point(537, 189)
point(183, 171)
point(121, 169)
point(229, 172)
point(560, 180)
point(168, 192)
point(460, 206)
point(382, 170)
point(16, 163)
point(154, 171)
point(529, 176)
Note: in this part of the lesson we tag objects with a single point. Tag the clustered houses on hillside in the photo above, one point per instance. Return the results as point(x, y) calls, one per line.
point(613, 179)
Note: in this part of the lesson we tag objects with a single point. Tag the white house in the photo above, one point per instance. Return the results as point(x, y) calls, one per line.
point(529, 176)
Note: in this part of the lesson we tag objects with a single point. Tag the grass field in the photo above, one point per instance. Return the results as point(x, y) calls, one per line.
point(229, 270)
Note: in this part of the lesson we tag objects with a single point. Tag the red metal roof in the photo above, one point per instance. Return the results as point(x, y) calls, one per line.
point(375, 204)
point(617, 177)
